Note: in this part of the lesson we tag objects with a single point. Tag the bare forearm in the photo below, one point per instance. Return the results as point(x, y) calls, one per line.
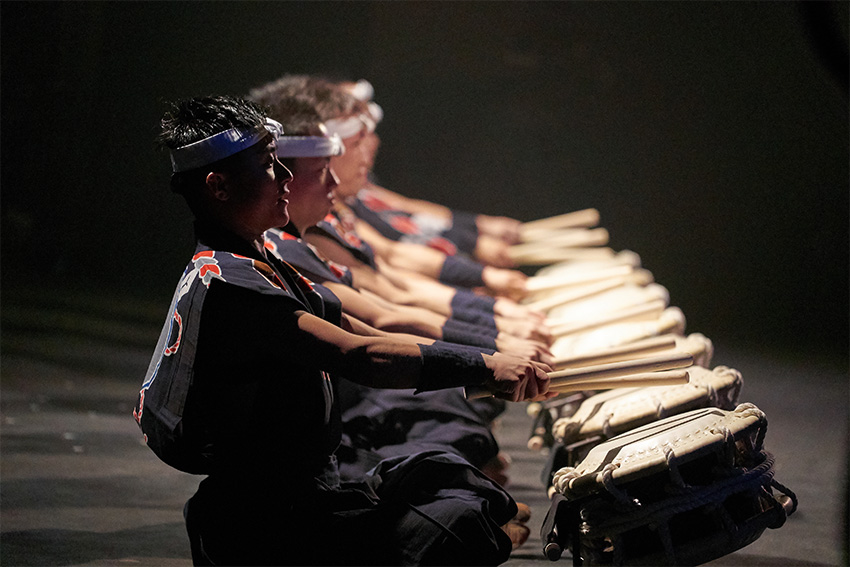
point(413, 257)
point(410, 204)
point(382, 362)
point(419, 320)
point(359, 352)
point(414, 289)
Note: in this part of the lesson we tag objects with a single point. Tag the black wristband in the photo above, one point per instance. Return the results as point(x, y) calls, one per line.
point(467, 301)
point(474, 316)
point(462, 271)
point(450, 366)
point(464, 333)
point(464, 231)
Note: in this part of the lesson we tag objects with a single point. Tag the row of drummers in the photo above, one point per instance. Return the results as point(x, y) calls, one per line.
point(651, 457)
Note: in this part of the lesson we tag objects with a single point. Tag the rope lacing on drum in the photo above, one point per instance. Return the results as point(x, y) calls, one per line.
point(735, 391)
point(561, 479)
point(729, 451)
point(695, 498)
point(713, 396)
point(673, 468)
point(749, 410)
point(660, 410)
point(606, 427)
point(565, 430)
point(608, 483)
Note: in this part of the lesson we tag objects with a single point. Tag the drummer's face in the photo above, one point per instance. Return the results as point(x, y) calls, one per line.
point(311, 191)
point(352, 167)
point(257, 190)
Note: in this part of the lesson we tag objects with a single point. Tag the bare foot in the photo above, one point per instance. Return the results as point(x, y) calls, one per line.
point(516, 528)
point(523, 513)
point(496, 468)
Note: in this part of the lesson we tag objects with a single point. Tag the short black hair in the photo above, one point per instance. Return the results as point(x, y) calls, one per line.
point(197, 118)
point(194, 119)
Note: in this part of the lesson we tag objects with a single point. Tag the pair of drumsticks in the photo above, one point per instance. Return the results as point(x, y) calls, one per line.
point(615, 367)
point(658, 370)
point(560, 238)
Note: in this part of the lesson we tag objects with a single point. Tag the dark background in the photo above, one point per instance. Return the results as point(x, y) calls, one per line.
point(712, 137)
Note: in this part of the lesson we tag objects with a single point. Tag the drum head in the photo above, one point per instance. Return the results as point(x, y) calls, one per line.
point(648, 450)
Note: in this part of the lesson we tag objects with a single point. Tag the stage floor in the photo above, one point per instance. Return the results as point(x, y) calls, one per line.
point(80, 488)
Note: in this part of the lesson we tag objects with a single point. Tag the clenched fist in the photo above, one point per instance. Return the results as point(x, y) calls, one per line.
point(516, 379)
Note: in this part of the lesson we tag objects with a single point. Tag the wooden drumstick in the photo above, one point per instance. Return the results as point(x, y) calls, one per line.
point(623, 368)
point(569, 294)
point(595, 374)
point(575, 293)
point(650, 309)
point(698, 345)
point(671, 321)
point(574, 219)
point(573, 239)
point(556, 255)
point(546, 234)
point(627, 351)
point(642, 380)
point(554, 281)
point(620, 258)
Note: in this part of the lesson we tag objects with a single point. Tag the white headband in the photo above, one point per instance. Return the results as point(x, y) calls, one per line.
point(309, 146)
point(345, 128)
point(370, 124)
point(221, 145)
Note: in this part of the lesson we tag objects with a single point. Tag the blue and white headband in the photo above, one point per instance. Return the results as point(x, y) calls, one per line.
point(309, 146)
point(221, 145)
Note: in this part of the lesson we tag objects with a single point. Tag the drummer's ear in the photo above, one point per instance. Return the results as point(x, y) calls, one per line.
point(216, 186)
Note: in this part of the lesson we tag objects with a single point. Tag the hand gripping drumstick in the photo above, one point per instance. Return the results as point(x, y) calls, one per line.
point(605, 373)
point(584, 217)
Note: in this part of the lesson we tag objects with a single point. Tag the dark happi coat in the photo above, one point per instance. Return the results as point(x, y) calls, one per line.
point(387, 423)
point(459, 234)
point(287, 244)
point(338, 225)
point(232, 395)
